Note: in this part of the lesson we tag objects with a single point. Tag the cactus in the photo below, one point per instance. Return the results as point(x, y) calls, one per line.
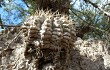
point(47, 39)
point(46, 30)
point(49, 29)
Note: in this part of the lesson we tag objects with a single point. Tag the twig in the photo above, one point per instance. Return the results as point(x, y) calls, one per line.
point(100, 8)
point(13, 40)
point(10, 25)
point(106, 4)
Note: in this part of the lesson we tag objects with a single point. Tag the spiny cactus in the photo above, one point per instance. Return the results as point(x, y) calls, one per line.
point(49, 30)
point(46, 30)
point(47, 39)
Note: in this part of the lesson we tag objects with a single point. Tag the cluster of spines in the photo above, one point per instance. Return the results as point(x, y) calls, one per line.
point(51, 31)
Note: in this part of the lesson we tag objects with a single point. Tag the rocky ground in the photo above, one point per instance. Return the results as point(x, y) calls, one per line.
point(86, 55)
point(92, 55)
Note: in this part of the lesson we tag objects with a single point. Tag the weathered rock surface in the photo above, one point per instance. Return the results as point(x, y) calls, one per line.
point(91, 55)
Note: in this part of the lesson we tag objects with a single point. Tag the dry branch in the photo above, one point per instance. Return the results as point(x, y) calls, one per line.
point(8, 46)
point(9, 25)
point(100, 8)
